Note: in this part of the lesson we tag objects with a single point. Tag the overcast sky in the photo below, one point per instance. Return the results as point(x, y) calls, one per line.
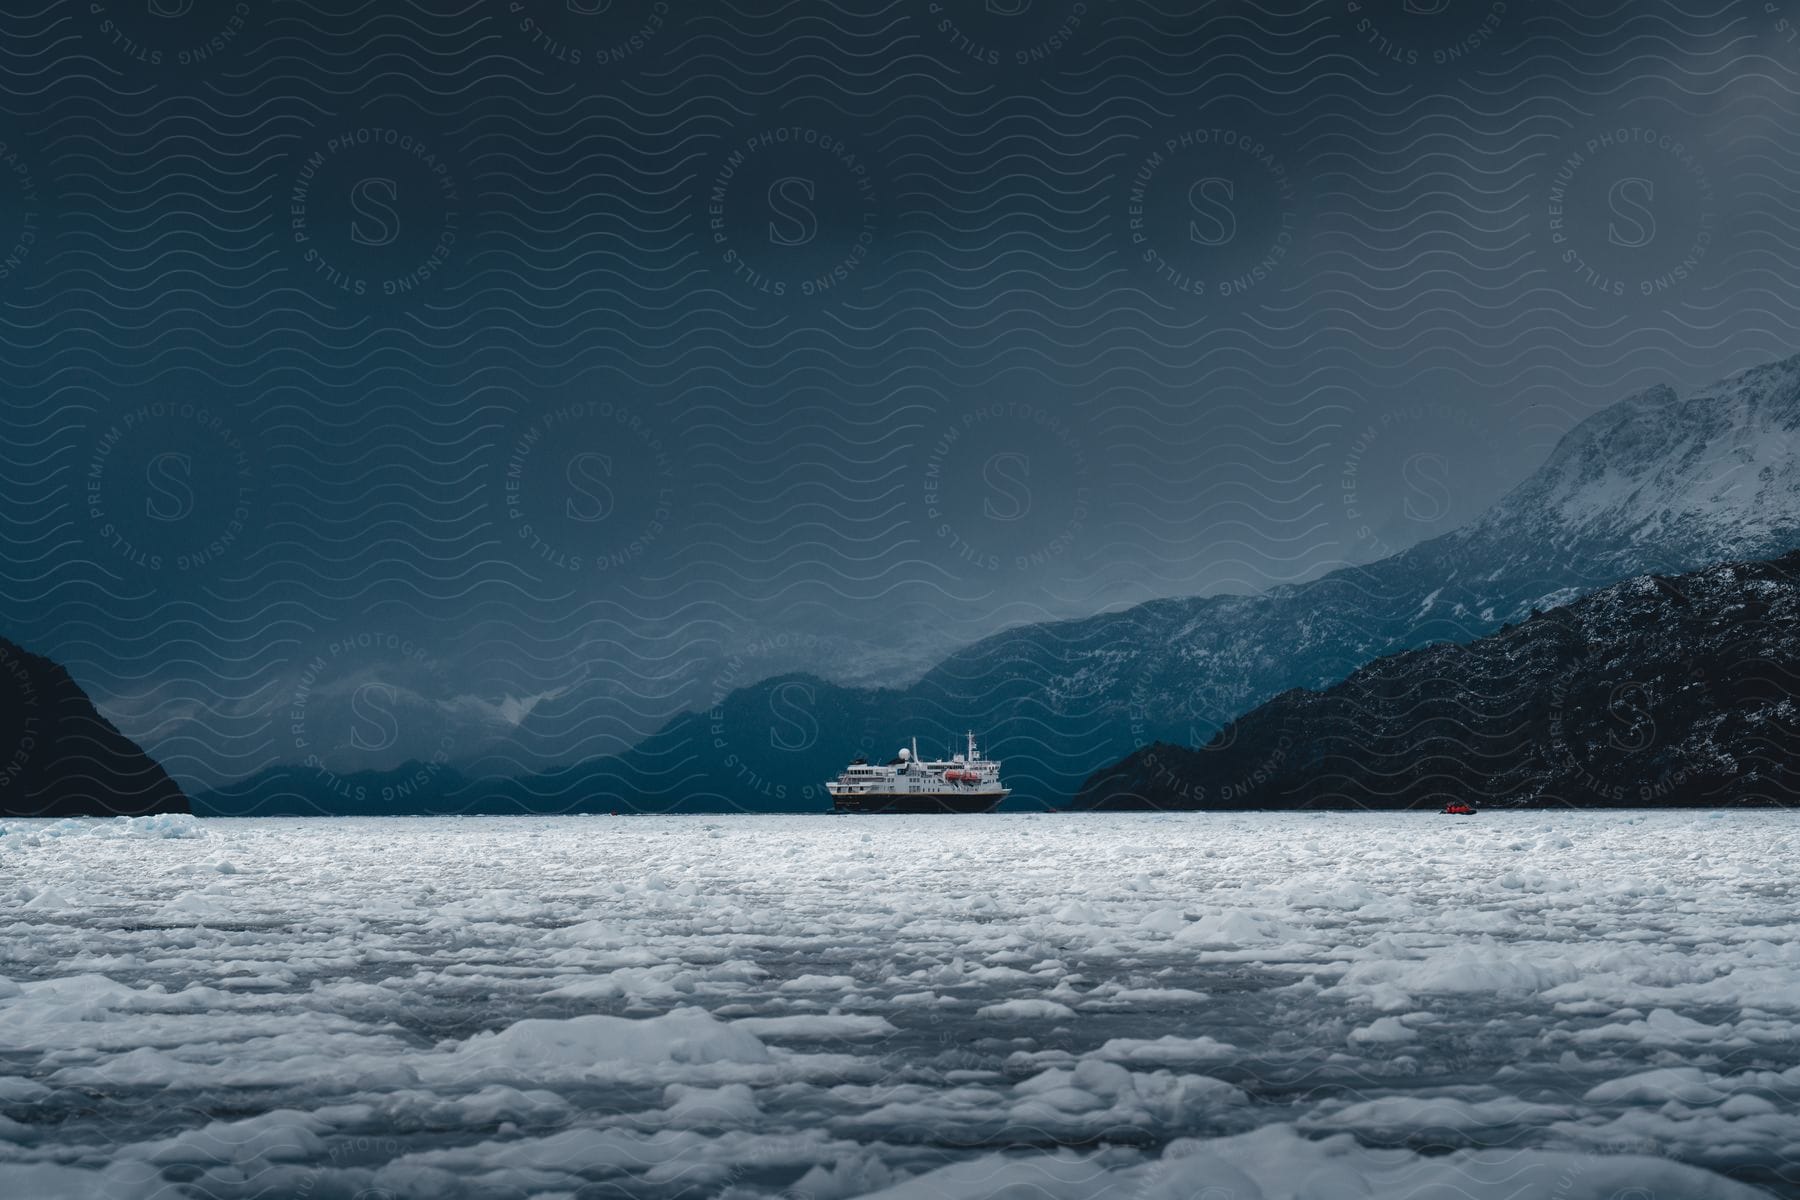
point(603, 355)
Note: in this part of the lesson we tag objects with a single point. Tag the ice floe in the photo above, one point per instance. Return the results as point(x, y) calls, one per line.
point(1561, 1006)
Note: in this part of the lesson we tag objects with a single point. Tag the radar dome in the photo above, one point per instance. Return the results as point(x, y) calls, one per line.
point(905, 754)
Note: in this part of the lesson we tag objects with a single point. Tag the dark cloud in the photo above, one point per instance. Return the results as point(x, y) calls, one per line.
point(592, 348)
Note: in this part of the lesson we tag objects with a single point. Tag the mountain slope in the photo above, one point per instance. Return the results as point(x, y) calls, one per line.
point(1655, 482)
point(61, 758)
point(1653, 691)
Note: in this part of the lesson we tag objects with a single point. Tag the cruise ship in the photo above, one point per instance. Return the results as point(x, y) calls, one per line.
point(962, 783)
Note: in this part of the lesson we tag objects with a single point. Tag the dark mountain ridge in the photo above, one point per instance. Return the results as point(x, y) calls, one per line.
point(60, 758)
point(1654, 691)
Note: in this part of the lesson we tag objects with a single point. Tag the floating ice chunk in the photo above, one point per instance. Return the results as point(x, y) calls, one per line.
point(1663, 1027)
point(196, 908)
point(282, 1135)
point(1164, 920)
point(1386, 997)
point(1536, 881)
point(1338, 896)
point(17, 1091)
point(483, 1108)
point(1746, 1105)
point(709, 1108)
point(1076, 912)
point(818, 983)
point(167, 825)
point(1096, 1095)
point(538, 1166)
point(1168, 1049)
point(1145, 998)
point(661, 983)
point(1274, 1164)
point(1025, 1010)
point(1484, 966)
point(1001, 975)
point(145, 1066)
point(1381, 1031)
point(603, 935)
point(48, 1181)
point(41, 1011)
point(1411, 1116)
point(856, 1175)
point(1233, 928)
point(1688, 1085)
point(162, 826)
point(816, 1026)
point(1040, 1177)
point(562, 1047)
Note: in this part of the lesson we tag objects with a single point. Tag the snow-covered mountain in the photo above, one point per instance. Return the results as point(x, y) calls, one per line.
point(1655, 691)
point(1654, 483)
point(1703, 478)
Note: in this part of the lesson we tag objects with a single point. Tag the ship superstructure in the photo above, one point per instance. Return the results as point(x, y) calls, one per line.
point(960, 783)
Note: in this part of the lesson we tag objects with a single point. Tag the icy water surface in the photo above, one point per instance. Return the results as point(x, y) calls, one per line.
point(1219, 1007)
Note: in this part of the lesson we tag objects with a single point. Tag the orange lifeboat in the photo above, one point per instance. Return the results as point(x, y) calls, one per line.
point(1456, 808)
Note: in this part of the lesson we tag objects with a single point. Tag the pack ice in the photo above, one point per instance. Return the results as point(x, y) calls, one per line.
point(1590, 1004)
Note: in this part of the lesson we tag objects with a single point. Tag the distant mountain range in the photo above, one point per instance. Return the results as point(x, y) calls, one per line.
point(61, 758)
point(1654, 483)
point(1659, 690)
